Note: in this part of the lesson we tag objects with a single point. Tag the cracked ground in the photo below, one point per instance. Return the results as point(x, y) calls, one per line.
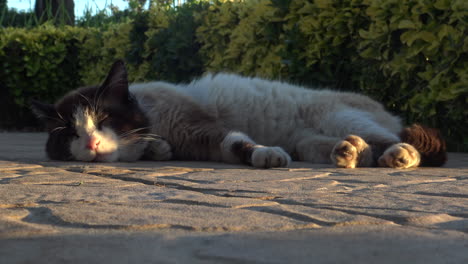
point(204, 212)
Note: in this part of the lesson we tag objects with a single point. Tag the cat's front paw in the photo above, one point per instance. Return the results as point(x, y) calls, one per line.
point(351, 152)
point(268, 157)
point(400, 156)
point(158, 150)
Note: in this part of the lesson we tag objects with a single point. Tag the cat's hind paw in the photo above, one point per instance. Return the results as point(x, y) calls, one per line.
point(351, 152)
point(400, 156)
point(268, 157)
point(158, 150)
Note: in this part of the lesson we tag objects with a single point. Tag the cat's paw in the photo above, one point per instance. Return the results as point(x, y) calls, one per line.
point(400, 156)
point(351, 152)
point(268, 157)
point(158, 150)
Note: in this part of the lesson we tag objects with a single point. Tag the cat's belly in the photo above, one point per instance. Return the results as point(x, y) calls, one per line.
point(270, 115)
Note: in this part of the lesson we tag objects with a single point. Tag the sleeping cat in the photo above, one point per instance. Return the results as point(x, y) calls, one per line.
point(228, 118)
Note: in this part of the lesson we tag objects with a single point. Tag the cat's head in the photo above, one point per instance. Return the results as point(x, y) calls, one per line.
point(96, 123)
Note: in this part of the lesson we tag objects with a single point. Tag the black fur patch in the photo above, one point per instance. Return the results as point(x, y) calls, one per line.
point(378, 149)
point(244, 151)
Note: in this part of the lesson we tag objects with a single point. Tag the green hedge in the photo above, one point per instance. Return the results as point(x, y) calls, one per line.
point(411, 55)
point(36, 63)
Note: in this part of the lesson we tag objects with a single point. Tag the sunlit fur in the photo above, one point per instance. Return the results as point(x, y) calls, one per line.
point(85, 123)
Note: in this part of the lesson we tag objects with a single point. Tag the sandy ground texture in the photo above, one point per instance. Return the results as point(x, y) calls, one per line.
point(203, 212)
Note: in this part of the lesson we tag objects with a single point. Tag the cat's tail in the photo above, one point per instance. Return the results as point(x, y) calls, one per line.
point(429, 143)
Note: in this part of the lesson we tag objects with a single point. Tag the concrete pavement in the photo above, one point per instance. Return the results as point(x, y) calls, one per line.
point(204, 212)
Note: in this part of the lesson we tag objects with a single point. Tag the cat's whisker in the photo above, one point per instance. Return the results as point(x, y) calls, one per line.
point(61, 120)
point(97, 98)
point(97, 101)
point(130, 141)
point(143, 137)
point(101, 117)
point(57, 129)
point(140, 137)
point(133, 131)
point(94, 108)
point(152, 135)
point(129, 133)
point(60, 115)
point(87, 100)
point(151, 138)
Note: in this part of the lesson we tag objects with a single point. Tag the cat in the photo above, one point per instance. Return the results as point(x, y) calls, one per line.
point(229, 118)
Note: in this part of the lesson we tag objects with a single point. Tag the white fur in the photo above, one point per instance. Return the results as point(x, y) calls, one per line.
point(272, 112)
point(268, 157)
point(85, 125)
point(400, 151)
point(358, 122)
point(304, 122)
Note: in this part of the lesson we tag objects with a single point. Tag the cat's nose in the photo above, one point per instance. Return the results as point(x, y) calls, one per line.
point(93, 143)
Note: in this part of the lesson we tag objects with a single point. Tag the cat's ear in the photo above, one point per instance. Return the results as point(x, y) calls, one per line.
point(47, 114)
point(116, 83)
point(43, 111)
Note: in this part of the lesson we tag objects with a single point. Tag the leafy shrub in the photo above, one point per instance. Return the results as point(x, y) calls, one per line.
point(101, 48)
point(36, 63)
point(422, 49)
point(243, 37)
point(171, 47)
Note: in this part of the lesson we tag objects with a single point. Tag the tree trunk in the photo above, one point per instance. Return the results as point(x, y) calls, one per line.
point(3, 5)
point(61, 11)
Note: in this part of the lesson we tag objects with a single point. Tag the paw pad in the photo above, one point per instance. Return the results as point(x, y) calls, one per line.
point(351, 152)
point(268, 157)
point(400, 156)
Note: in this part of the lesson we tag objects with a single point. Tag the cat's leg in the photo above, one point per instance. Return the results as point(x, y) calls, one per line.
point(366, 139)
point(198, 135)
point(400, 156)
point(238, 147)
point(313, 147)
point(351, 152)
point(158, 149)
